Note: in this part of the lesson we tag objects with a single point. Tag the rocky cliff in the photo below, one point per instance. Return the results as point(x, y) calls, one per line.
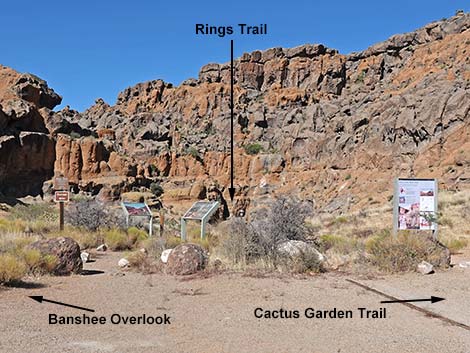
point(331, 128)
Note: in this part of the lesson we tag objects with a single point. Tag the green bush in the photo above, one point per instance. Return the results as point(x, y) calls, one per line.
point(403, 253)
point(11, 268)
point(340, 244)
point(455, 245)
point(116, 239)
point(136, 235)
point(34, 212)
point(253, 148)
point(192, 151)
point(156, 189)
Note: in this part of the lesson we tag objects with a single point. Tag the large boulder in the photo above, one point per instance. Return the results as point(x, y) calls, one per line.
point(66, 250)
point(297, 250)
point(186, 259)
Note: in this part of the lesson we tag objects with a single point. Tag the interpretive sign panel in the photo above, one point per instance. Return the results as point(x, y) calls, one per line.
point(200, 209)
point(415, 204)
point(136, 209)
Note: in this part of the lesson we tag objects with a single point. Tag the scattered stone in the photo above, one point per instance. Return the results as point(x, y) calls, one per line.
point(187, 259)
point(143, 251)
point(464, 264)
point(123, 263)
point(85, 256)
point(65, 250)
point(102, 247)
point(425, 268)
point(165, 254)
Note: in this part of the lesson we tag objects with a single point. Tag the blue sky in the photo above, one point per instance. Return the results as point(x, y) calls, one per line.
point(89, 49)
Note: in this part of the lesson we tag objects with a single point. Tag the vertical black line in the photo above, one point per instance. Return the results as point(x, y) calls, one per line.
point(231, 112)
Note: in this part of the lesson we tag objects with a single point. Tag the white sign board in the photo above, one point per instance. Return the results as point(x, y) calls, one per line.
point(415, 204)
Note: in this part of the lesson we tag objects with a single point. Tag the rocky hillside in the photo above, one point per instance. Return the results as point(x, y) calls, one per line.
point(331, 128)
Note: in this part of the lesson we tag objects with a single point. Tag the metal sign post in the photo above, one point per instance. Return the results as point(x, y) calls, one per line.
point(61, 195)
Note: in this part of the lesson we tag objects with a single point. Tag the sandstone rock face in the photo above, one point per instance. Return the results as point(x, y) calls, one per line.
point(323, 126)
point(26, 150)
point(26, 161)
point(66, 250)
point(330, 127)
point(186, 259)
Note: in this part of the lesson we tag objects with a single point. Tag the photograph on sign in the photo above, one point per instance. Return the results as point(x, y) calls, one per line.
point(136, 209)
point(199, 209)
point(416, 200)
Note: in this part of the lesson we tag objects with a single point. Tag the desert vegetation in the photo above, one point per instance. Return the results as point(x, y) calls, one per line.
point(286, 236)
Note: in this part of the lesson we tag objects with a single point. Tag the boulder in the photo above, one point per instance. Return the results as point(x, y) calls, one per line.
point(66, 250)
point(186, 259)
point(425, 268)
point(123, 263)
point(297, 249)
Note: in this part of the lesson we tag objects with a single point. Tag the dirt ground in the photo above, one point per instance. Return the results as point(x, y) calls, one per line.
point(216, 314)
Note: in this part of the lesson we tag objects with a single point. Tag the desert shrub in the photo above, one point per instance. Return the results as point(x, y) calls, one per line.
point(12, 226)
point(259, 241)
point(242, 243)
point(403, 253)
point(11, 268)
point(285, 221)
point(172, 242)
point(36, 263)
point(253, 148)
point(156, 189)
point(90, 215)
point(116, 239)
point(136, 258)
point(136, 235)
point(339, 244)
point(454, 245)
point(192, 151)
point(35, 212)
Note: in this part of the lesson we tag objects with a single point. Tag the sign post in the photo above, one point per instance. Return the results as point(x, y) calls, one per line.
point(61, 195)
point(200, 211)
point(415, 205)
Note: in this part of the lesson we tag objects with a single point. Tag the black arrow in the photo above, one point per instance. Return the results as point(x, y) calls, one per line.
point(231, 189)
point(40, 299)
point(432, 300)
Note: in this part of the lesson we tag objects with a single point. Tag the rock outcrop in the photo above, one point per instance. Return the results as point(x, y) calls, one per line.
point(327, 127)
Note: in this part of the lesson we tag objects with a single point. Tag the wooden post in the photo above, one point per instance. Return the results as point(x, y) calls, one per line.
point(61, 215)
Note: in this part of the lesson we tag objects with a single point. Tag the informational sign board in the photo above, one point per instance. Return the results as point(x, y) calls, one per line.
point(61, 196)
point(201, 211)
point(415, 205)
point(138, 209)
point(61, 183)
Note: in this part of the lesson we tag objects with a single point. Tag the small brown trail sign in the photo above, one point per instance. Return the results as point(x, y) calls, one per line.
point(61, 195)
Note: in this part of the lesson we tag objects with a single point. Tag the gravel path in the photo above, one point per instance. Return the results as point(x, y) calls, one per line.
point(217, 314)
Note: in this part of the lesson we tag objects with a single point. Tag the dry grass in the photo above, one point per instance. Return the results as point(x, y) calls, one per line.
point(347, 239)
